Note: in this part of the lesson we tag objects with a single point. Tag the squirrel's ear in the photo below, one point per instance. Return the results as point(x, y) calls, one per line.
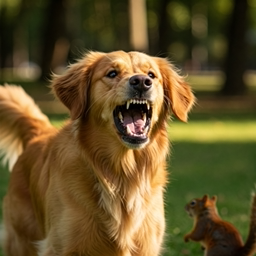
point(73, 86)
point(205, 197)
point(214, 199)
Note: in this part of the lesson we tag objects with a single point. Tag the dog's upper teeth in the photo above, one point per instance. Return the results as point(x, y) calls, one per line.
point(134, 101)
point(128, 104)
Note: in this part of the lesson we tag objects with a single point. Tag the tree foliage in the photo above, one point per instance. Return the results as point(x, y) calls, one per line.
point(192, 33)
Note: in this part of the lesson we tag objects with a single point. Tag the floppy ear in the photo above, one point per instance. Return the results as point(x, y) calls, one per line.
point(72, 87)
point(178, 92)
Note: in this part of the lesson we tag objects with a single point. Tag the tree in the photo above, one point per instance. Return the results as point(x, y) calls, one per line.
point(164, 27)
point(235, 64)
point(54, 28)
point(6, 38)
point(138, 25)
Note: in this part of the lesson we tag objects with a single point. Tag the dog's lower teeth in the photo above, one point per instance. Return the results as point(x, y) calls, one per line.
point(128, 130)
point(142, 134)
point(144, 118)
point(120, 117)
point(146, 130)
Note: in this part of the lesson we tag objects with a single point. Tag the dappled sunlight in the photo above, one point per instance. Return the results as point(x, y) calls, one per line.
point(204, 131)
point(213, 131)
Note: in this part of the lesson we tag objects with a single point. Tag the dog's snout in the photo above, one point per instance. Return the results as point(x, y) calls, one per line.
point(140, 83)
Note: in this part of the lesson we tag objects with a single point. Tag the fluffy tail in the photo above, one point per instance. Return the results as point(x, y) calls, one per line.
point(20, 121)
point(250, 244)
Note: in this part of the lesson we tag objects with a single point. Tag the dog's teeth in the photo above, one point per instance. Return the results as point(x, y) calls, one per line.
point(120, 117)
point(128, 104)
point(144, 117)
point(134, 101)
point(128, 130)
point(146, 130)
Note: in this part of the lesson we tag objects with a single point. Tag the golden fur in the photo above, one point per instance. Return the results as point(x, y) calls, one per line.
point(89, 189)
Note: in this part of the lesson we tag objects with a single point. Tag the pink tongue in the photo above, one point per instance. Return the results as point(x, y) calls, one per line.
point(135, 123)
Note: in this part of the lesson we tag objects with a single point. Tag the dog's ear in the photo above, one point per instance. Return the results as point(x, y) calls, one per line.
point(176, 90)
point(72, 87)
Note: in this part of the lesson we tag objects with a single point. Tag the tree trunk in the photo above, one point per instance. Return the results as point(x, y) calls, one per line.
point(6, 39)
point(235, 65)
point(164, 28)
point(138, 25)
point(55, 28)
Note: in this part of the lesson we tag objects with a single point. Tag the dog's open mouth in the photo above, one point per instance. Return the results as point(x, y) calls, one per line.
point(133, 120)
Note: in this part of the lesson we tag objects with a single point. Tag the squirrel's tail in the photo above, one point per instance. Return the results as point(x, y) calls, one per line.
point(20, 121)
point(249, 247)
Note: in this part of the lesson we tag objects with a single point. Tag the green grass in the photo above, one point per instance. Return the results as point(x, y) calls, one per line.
point(225, 169)
point(212, 154)
point(215, 155)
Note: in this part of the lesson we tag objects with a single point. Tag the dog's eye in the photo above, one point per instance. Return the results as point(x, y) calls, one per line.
point(151, 75)
point(112, 74)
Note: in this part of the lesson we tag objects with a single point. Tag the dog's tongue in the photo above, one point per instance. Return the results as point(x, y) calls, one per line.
point(134, 122)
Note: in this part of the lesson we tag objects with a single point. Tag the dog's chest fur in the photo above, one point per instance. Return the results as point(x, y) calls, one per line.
point(127, 197)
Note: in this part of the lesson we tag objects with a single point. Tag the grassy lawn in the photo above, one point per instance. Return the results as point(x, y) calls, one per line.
point(213, 154)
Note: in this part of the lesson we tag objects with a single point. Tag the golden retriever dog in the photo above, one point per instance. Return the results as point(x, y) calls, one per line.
point(94, 187)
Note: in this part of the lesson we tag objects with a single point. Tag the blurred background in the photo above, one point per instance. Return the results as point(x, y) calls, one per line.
point(210, 38)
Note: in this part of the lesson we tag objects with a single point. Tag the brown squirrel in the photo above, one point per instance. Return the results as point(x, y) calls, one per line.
point(218, 237)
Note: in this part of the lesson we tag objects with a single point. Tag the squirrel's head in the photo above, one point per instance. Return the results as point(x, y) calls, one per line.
point(199, 206)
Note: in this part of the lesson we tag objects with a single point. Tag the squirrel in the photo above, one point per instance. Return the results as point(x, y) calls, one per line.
point(219, 237)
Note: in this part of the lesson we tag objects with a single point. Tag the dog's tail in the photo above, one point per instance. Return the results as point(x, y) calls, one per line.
point(20, 121)
point(249, 247)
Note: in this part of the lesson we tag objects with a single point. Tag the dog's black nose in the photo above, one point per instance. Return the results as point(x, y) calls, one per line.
point(140, 83)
